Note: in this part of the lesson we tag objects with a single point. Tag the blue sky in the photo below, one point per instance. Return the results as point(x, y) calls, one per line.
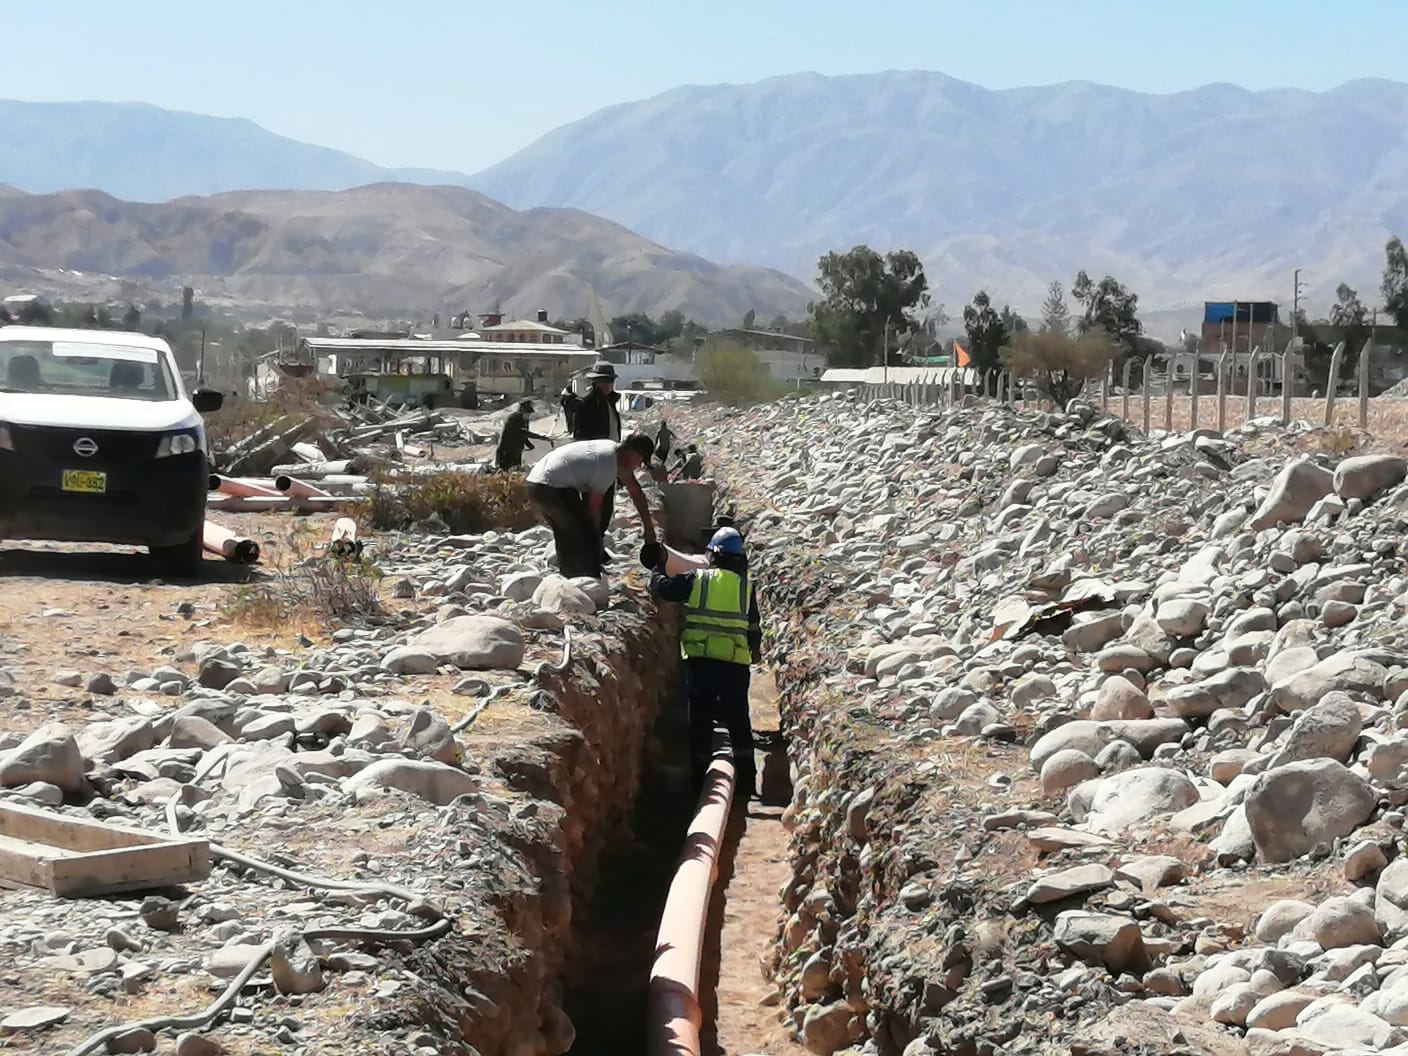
point(460, 85)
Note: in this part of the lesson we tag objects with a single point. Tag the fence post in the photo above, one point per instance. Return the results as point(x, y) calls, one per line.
point(1124, 390)
point(1168, 398)
point(1253, 382)
point(1364, 382)
point(1222, 391)
point(1144, 389)
point(1105, 387)
point(1288, 382)
point(1332, 383)
point(1194, 384)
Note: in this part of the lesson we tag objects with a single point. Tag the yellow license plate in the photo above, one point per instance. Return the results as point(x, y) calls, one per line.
point(85, 481)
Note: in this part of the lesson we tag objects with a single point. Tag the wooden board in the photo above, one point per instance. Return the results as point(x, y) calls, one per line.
point(73, 857)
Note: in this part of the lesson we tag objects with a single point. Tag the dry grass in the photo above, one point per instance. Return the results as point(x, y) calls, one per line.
point(462, 502)
point(310, 592)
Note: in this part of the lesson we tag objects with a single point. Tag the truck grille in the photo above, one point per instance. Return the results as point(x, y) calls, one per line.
point(53, 444)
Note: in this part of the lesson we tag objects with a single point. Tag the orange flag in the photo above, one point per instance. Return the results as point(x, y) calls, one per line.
point(961, 355)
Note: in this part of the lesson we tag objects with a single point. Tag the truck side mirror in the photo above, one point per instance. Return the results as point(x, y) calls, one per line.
point(207, 400)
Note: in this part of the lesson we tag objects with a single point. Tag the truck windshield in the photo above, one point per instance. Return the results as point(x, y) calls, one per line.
point(77, 368)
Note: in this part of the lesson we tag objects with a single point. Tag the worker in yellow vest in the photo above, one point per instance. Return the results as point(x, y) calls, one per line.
point(721, 639)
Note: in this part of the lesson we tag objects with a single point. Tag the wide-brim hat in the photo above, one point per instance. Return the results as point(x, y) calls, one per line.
point(603, 371)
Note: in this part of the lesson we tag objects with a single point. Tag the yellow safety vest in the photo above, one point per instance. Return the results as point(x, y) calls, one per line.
point(716, 617)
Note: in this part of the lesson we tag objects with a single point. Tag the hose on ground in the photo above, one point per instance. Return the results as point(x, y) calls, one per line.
point(203, 1018)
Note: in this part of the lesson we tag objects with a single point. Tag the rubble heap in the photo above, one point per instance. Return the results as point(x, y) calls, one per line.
point(474, 817)
point(1096, 738)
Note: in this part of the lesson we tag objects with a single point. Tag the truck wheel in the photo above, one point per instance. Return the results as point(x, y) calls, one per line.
point(183, 560)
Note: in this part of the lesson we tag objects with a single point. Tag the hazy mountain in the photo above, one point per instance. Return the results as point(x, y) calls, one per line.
point(1212, 193)
point(385, 249)
point(148, 154)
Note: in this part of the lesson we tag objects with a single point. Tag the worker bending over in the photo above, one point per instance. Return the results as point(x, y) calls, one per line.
point(516, 437)
point(721, 639)
point(690, 465)
point(567, 488)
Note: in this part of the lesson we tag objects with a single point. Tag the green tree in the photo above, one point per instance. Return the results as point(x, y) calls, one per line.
point(986, 332)
point(1108, 306)
point(1055, 314)
point(132, 318)
point(1352, 319)
point(1395, 282)
point(749, 318)
point(867, 301)
point(1013, 322)
point(1061, 364)
point(732, 373)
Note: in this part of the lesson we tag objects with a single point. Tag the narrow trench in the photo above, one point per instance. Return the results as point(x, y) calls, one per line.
point(614, 936)
point(606, 994)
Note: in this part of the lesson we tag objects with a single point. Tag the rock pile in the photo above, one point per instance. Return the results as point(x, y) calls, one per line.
point(354, 761)
point(1096, 738)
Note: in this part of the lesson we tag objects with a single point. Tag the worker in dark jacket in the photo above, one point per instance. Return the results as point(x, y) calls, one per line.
point(721, 639)
point(516, 437)
point(664, 440)
point(690, 465)
point(598, 419)
point(569, 402)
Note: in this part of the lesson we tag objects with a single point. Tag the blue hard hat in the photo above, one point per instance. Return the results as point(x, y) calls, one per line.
point(726, 541)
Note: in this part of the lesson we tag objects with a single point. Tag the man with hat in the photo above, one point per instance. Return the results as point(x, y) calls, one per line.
point(721, 639)
point(516, 437)
point(598, 419)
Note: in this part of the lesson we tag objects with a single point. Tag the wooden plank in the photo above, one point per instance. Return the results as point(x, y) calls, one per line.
point(131, 869)
point(70, 857)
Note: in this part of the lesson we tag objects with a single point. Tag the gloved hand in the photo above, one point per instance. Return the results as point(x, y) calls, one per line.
point(652, 555)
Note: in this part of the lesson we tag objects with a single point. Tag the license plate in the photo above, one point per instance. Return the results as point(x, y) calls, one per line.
point(85, 481)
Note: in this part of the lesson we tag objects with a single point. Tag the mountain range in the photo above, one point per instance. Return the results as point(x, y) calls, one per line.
point(389, 250)
point(1215, 193)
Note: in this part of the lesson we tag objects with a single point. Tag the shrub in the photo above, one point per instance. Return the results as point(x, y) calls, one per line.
point(320, 590)
point(733, 374)
point(463, 502)
point(1060, 364)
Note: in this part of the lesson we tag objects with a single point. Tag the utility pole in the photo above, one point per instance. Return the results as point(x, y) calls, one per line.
point(1297, 286)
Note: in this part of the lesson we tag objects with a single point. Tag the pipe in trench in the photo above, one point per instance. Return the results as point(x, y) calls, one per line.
point(674, 1011)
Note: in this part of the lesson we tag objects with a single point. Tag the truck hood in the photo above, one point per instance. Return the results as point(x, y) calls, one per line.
point(96, 412)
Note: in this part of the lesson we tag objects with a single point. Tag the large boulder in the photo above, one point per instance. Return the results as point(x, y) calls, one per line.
point(1102, 939)
point(435, 782)
point(1293, 492)
point(50, 754)
point(1119, 698)
point(1327, 730)
point(1122, 801)
point(479, 643)
point(1339, 922)
point(1391, 900)
point(1365, 476)
point(1232, 688)
point(1294, 808)
point(1347, 672)
point(1089, 737)
point(555, 594)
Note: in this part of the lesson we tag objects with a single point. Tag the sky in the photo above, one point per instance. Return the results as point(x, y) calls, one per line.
point(460, 84)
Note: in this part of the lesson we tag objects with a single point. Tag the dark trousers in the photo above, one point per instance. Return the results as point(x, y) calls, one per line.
point(608, 509)
point(718, 693)
point(577, 539)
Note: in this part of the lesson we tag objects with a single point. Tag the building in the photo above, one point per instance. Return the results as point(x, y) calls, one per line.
point(528, 332)
point(1237, 326)
point(788, 357)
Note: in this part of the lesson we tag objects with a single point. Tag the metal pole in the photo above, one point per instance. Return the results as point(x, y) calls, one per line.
point(1144, 387)
point(201, 379)
point(1288, 367)
point(1168, 394)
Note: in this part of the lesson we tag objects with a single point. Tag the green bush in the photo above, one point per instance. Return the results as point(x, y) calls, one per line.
point(732, 373)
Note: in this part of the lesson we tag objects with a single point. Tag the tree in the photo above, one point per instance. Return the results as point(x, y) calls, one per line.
point(188, 302)
point(1013, 322)
point(986, 332)
point(1395, 284)
point(868, 301)
point(1352, 319)
point(749, 318)
point(1055, 314)
point(132, 318)
point(1062, 364)
point(1108, 306)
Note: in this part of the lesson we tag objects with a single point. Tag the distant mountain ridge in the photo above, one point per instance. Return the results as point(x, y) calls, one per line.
point(385, 249)
point(145, 153)
point(1208, 194)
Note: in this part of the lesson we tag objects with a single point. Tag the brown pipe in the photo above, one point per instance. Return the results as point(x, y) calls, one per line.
point(220, 540)
point(674, 1012)
point(299, 489)
point(243, 488)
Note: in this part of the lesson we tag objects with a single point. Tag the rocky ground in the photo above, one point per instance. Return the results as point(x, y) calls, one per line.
point(1096, 737)
point(439, 779)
